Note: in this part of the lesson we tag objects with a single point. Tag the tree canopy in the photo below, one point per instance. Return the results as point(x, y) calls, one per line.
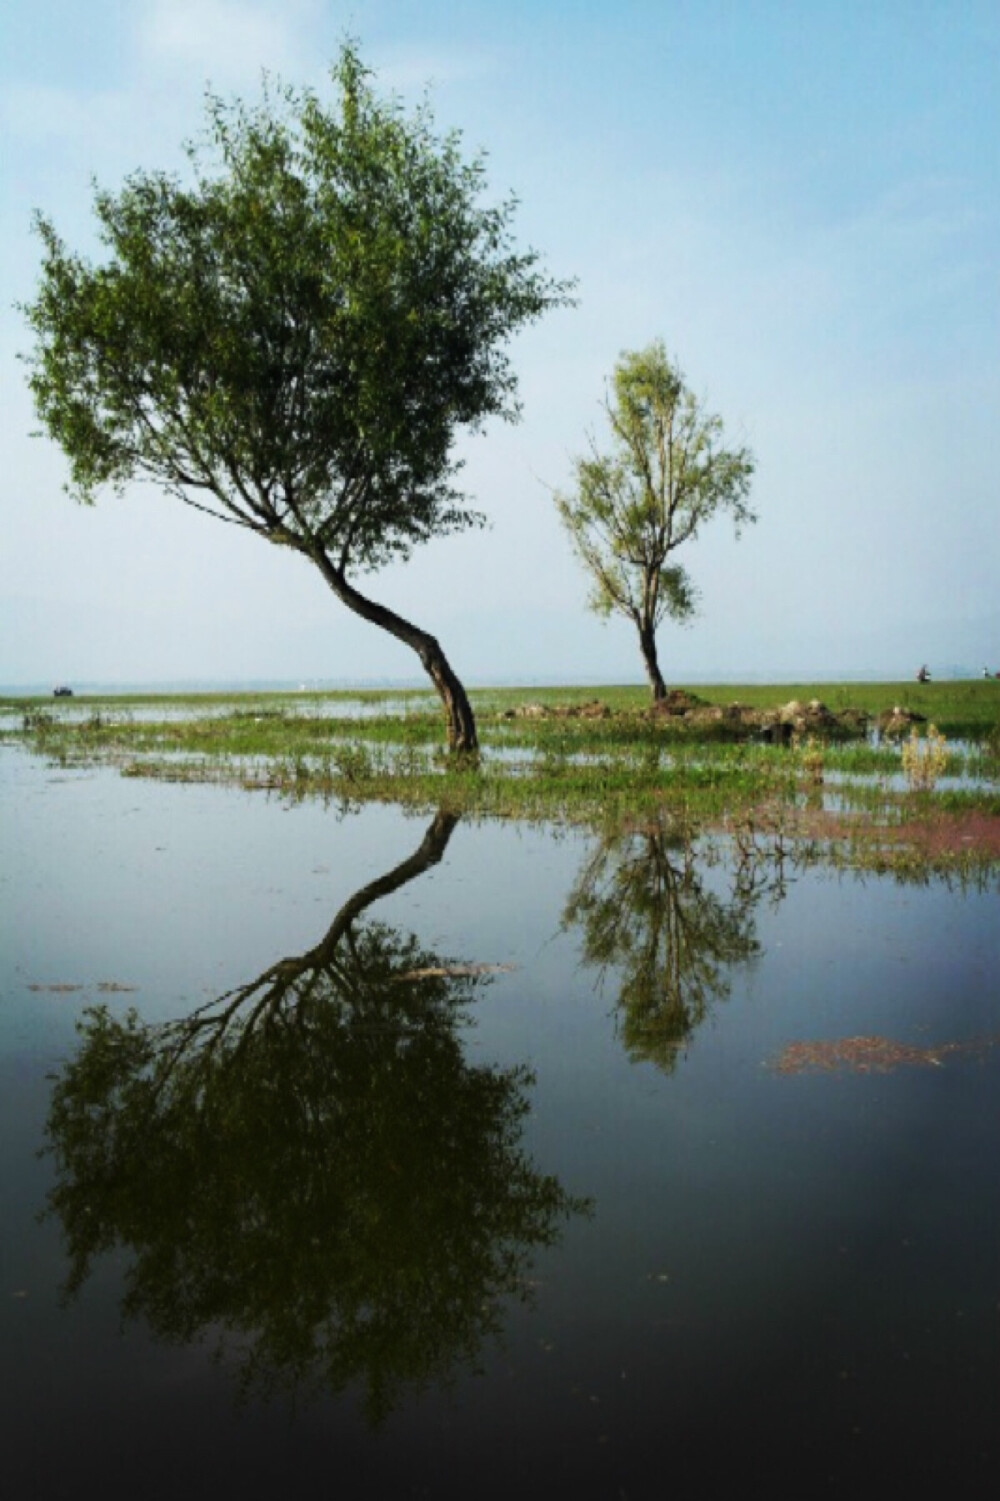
point(651, 919)
point(664, 476)
point(309, 1169)
point(292, 339)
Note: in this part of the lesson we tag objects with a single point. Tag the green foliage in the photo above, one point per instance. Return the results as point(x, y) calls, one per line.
point(924, 761)
point(309, 1168)
point(811, 757)
point(648, 917)
point(564, 763)
point(666, 474)
point(37, 722)
point(291, 340)
point(960, 708)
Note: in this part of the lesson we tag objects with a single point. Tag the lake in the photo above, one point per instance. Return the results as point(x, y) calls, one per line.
point(415, 1156)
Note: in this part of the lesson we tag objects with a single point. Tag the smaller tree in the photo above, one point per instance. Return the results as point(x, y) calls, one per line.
point(667, 473)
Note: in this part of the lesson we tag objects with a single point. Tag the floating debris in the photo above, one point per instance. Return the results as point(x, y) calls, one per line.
point(459, 970)
point(870, 1055)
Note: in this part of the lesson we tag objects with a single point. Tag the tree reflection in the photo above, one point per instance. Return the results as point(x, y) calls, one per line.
point(310, 1165)
point(648, 913)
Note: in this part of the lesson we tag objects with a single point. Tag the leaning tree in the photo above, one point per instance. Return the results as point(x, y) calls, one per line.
point(666, 473)
point(291, 339)
point(309, 1171)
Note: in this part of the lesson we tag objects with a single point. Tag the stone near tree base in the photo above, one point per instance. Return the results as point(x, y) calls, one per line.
point(898, 721)
point(778, 726)
point(676, 701)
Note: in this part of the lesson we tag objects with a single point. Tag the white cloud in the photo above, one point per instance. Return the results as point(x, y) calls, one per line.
point(227, 39)
point(416, 69)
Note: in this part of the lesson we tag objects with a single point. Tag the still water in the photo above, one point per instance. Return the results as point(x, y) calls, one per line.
point(418, 1157)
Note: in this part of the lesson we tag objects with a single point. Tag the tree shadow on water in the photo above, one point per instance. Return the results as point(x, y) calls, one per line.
point(653, 924)
point(307, 1169)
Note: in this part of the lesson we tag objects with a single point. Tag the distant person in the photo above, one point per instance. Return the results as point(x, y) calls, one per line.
point(923, 676)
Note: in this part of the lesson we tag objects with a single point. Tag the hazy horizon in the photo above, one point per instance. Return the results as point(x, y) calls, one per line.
point(957, 672)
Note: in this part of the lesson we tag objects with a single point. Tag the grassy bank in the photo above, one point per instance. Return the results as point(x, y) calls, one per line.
point(594, 756)
point(963, 708)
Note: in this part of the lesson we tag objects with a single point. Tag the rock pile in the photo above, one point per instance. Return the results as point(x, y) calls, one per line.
point(779, 726)
point(897, 721)
point(676, 702)
point(594, 709)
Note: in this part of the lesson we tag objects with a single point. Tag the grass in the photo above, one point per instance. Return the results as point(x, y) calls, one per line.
point(557, 764)
point(967, 707)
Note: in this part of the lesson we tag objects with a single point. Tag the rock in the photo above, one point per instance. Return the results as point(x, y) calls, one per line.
point(706, 714)
point(853, 721)
point(676, 702)
point(776, 730)
point(807, 719)
point(897, 721)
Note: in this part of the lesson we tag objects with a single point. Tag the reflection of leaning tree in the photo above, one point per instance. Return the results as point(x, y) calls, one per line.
point(310, 1165)
point(646, 912)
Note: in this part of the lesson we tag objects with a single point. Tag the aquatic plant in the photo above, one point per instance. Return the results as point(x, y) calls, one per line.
point(811, 757)
point(924, 761)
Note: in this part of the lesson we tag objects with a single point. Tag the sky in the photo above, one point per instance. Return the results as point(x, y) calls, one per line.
point(800, 199)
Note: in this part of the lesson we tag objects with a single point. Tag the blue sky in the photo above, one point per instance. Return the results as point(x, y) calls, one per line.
point(801, 199)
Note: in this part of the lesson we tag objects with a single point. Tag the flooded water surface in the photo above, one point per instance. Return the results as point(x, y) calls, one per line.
point(374, 1154)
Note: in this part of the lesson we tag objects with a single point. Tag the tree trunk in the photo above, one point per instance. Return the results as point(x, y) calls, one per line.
point(430, 852)
point(269, 990)
point(459, 719)
point(647, 642)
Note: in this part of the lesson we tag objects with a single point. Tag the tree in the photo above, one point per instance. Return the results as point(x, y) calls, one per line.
point(666, 474)
point(291, 341)
point(309, 1169)
point(650, 918)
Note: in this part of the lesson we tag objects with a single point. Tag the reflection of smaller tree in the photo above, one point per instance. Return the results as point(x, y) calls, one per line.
point(310, 1165)
point(646, 912)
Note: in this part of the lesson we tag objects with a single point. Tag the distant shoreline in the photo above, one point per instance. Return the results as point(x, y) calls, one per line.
point(168, 687)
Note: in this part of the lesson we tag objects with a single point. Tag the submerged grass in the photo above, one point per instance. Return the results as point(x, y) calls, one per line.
point(558, 755)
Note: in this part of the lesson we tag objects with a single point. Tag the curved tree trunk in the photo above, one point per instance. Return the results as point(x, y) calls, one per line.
point(647, 642)
point(270, 989)
point(459, 719)
point(429, 852)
